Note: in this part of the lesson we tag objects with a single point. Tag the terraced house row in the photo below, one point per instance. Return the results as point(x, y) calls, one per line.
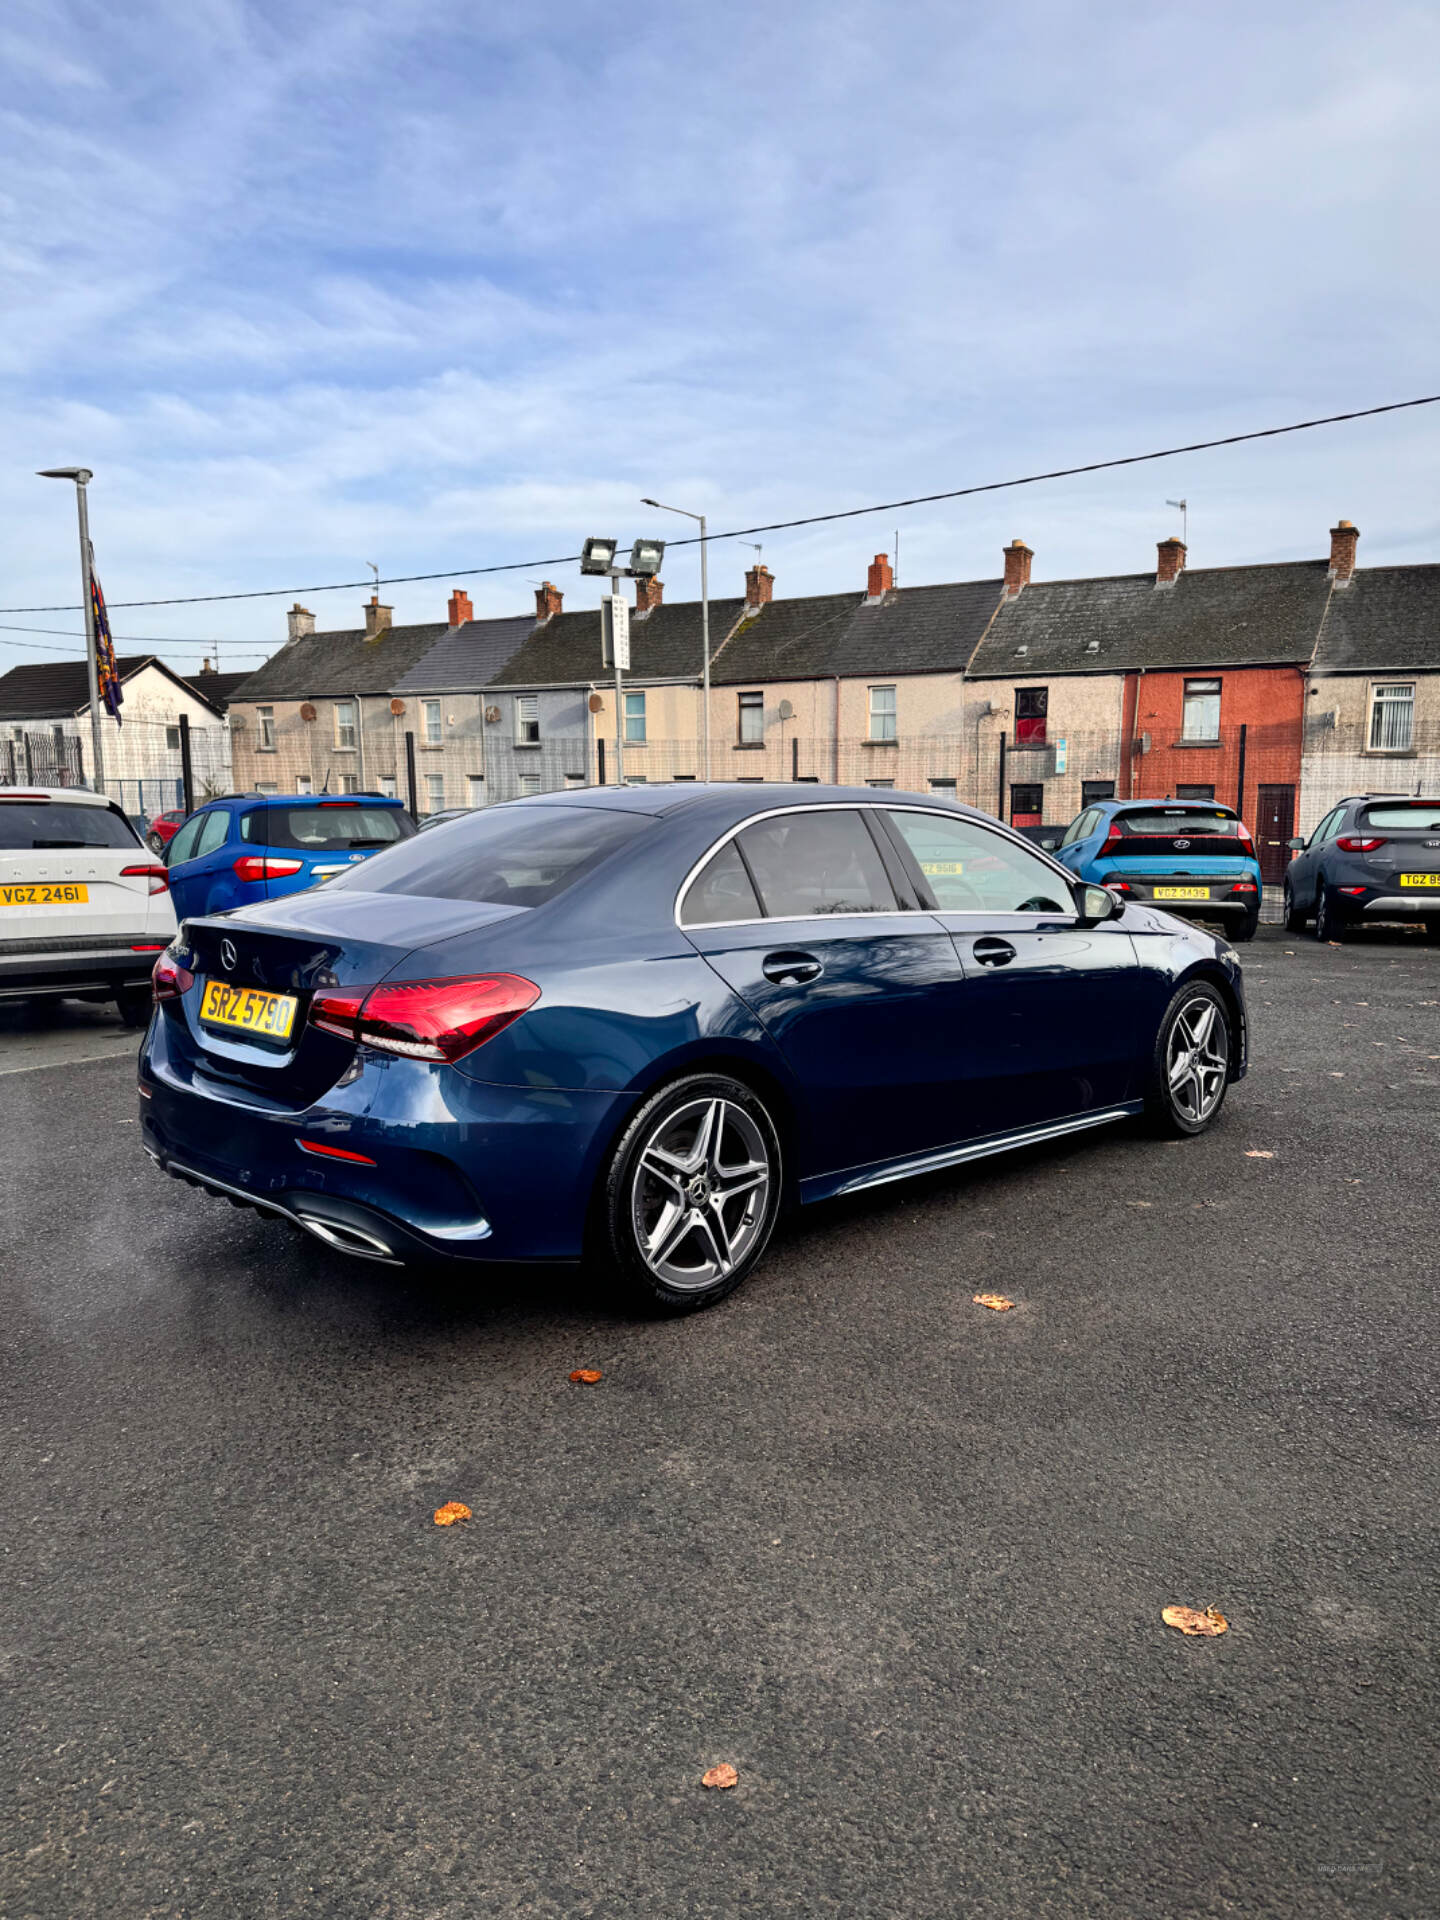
point(1278, 687)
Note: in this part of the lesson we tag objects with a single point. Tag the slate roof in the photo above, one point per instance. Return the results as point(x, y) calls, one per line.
point(218, 687)
point(665, 645)
point(911, 630)
point(1387, 619)
point(56, 689)
point(1211, 617)
point(334, 665)
point(467, 659)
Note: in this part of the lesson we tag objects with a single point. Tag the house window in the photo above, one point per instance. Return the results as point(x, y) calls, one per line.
point(1194, 793)
point(266, 786)
point(1027, 804)
point(941, 783)
point(882, 713)
point(1093, 790)
point(879, 783)
point(303, 783)
point(430, 714)
point(527, 719)
point(475, 789)
point(266, 719)
point(387, 785)
point(1031, 705)
point(434, 792)
point(1201, 716)
point(574, 779)
point(348, 783)
point(172, 739)
point(1392, 717)
point(635, 717)
point(529, 783)
point(752, 719)
point(345, 725)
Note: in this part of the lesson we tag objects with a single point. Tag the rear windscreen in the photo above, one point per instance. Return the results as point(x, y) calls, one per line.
point(326, 829)
point(510, 856)
point(60, 823)
point(1171, 820)
point(1418, 814)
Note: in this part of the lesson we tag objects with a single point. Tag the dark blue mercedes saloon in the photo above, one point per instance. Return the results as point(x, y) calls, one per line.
point(628, 1025)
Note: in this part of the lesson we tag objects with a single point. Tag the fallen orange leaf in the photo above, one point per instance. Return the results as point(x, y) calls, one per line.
point(722, 1776)
point(1258, 1153)
point(997, 1301)
point(587, 1376)
point(1188, 1620)
point(452, 1511)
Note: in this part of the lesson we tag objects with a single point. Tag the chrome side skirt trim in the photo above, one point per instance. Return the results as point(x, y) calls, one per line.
point(982, 1149)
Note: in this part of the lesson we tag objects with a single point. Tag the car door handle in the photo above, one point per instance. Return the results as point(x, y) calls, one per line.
point(993, 953)
point(791, 969)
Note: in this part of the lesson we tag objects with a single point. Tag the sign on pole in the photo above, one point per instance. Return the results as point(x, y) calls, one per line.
point(620, 632)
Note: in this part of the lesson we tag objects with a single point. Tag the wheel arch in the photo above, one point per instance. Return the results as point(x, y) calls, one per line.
point(1215, 975)
point(744, 1065)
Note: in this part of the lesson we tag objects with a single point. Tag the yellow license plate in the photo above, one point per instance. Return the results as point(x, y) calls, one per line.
point(271, 1015)
point(45, 893)
point(1420, 880)
point(1182, 893)
point(942, 866)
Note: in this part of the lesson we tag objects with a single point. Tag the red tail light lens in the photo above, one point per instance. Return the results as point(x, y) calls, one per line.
point(1354, 843)
point(169, 979)
point(157, 876)
point(259, 866)
point(1112, 840)
point(1242, 832)
point(427, 1019)
point(1243, 886)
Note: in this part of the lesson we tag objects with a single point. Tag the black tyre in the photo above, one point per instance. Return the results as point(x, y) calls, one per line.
point(1245, 929)
point(1295, 918)
point(1190, 1068)
point(133, 1006)
point(691, 1195)
point(1328, 924)
point(1432, 932)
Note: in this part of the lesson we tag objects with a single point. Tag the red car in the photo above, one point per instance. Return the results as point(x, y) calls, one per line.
point(164, 827)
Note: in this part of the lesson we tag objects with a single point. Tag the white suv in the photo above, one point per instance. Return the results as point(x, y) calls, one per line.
point(84, 907)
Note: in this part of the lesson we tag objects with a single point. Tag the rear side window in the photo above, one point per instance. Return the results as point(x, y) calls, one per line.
point(721, 891)
point(1170, 820)
point(1418, 814)
point(326, 829)
point(59, 823)
point(816, 862)
point(968, 869)
point(508, 856)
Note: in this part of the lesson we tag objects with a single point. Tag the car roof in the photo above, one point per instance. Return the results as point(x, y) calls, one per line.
point(300, 800)
point(83, 794)
point(1120, 806)
point(726, 801)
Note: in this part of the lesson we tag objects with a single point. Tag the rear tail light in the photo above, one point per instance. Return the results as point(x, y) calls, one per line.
point(1243, 886)
point(1354, 890)
point(426, 1019)
point(1112, 840)
point(1242, 832)
point(259, 866)
point(1356, 843)
point(169, 979)
point(157, 876)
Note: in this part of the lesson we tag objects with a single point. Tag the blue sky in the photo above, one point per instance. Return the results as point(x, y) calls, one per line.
point(435, 286)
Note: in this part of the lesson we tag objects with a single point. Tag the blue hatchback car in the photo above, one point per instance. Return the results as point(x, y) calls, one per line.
point(260, 846)
point(628, 1024)
point(1190, 857)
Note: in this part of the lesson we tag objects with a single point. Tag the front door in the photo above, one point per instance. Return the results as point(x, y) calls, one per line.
point(1274, 827)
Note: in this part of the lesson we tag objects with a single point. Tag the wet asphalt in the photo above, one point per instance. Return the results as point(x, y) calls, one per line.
point(898, 1559)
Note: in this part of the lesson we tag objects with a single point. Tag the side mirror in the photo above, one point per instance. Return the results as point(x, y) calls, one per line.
point(1295, 845)
point(1095, 904)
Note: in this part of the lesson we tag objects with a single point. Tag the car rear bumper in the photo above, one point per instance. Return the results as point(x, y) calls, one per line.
point(64, 964)
point(1402, 906)
point(1224, 902)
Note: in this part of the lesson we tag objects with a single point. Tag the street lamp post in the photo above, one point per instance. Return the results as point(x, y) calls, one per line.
point(82, 477)
point(704, 616)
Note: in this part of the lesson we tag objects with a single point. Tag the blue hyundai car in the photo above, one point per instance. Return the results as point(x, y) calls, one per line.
point(626, 1025)
point(1187, 856)
point(261, 846)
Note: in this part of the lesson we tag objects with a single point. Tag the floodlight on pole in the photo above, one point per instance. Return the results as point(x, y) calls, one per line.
point(598, 556)
point(686, 514)
point(81, 478)
point(645, 559)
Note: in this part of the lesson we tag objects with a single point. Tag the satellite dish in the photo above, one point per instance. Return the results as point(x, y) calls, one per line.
point(307, 712)
point(397, 707)
point(492, 716)
point(785, 710)
point(596, 703)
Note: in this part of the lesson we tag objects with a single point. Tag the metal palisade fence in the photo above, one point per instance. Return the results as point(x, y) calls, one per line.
point(144, 762)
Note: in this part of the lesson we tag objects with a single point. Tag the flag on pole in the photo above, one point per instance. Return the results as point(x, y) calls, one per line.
point(111, 692)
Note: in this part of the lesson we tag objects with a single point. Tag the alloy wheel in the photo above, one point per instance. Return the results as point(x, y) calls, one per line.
point(1197, 1059)
point(700, 1192)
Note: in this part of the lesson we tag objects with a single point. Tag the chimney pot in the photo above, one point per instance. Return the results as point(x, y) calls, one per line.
point(548, 599)
point(1017, 567)
point(881, 577)
point(759, 586)
point(460, 608)
point(301, 621)
point(1343, 541)
point(1169, 561)
point(649, 592)
point(377, 618)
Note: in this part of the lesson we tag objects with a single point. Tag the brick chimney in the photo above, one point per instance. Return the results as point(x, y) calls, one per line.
point(548, 598)
point(648, 593)
point(460, 608)
point(301, 622)
point(377, 618)
point(759, 587)
point(1017, 568)
point(1343, 541)
point(1169, 561)
point(881, 577)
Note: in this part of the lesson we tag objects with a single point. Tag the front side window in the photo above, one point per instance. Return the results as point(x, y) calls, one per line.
point(345, 723)
point(635, 717)
point(816, 862)
point(720, 892)
point(430, 714)
point(214, 832)
point(265, 718)
point(1031, 707)
point(1200, 718)
point(1392, 717)
point(1080, 828)
point(882, 713)
point(527, 719)
point(968, 869)
point(182, 847)
point(752, 719)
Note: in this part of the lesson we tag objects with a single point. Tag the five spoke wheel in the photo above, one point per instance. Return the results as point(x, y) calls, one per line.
point(700, 1192)
point(1197, 1059)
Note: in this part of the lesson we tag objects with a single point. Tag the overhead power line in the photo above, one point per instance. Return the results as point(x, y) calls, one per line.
point(779, 526)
